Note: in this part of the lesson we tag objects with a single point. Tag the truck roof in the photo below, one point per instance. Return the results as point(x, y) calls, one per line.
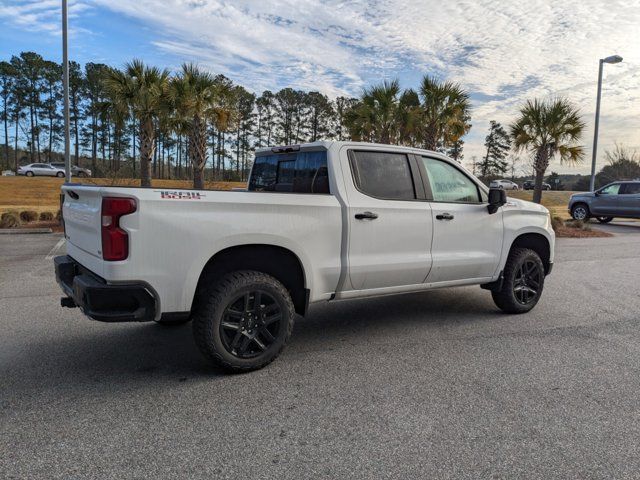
point(327, 144)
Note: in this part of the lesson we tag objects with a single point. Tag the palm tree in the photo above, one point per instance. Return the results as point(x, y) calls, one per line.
point(376, 117)
point(198, 98)
point(547, 129)
point(445, 112)
point(141, 90)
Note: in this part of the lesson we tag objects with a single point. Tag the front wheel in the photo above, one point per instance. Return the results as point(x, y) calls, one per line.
point(580, 212)
point(243, 321)
point(59, 174)
point(523, 281)
point(29, 174)
point(604, 219)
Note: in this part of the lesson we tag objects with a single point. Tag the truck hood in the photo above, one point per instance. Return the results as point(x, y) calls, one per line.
point(517, 204)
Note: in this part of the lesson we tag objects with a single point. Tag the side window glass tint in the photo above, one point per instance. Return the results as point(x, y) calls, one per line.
point(611, 189)
point(383, 175)
point(448, 184)
point(631, 189)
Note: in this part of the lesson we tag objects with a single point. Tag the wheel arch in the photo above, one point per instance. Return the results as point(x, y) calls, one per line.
point(279, 262)
point(536, 242)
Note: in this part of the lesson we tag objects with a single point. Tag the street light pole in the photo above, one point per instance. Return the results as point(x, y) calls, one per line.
point(65, 88)
point(594, 153)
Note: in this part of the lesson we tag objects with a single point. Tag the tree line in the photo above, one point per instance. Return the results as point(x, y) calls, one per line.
point(144, 121)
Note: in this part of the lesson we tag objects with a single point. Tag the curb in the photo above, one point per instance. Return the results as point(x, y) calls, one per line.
point(18, 231)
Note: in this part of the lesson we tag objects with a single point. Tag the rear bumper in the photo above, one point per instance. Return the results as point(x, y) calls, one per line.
point(132, 302)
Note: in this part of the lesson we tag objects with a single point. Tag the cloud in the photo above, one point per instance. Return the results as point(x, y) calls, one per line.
point(42, 15)
point(502, 51)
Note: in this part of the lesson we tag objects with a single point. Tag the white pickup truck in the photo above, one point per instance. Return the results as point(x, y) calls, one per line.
point(318, 222)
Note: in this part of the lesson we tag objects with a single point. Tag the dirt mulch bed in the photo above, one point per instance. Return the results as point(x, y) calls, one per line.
point(568, 232)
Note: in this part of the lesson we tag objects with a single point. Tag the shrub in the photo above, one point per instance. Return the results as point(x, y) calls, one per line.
point(557, 222)
point(10, 220)
point(28, 216)
point(578, 225)
point(46, 216)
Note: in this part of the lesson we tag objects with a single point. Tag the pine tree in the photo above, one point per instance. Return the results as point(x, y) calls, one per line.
point(498, 144)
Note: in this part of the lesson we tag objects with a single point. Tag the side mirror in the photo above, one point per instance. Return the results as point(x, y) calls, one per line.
point(497, 198)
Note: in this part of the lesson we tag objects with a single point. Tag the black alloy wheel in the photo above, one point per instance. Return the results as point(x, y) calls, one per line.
point(522, 282)
point(242, 321)
point(250, 324)
point(527, 282)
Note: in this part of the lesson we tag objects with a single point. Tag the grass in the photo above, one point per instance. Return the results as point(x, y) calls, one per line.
point(556, 202)
point(42, 193)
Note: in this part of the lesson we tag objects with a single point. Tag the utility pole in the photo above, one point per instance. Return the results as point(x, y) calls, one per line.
point(594, 153)
point(65, 88)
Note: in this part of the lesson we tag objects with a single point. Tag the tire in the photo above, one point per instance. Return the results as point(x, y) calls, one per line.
point(580, 211)
point(523, 282)
point(604, 219)
point(233, 331)
point(59, 174)
point(29, 174)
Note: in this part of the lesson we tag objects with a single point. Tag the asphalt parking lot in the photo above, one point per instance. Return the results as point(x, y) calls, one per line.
point(432, 385)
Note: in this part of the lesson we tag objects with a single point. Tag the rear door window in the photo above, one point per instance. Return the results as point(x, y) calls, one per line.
point(630, 189)
point(383, 175)
point(301, 172)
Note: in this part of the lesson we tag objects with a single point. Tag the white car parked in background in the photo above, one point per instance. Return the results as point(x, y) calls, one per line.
point(41, 169)
point(504, 184)
point(318, 222)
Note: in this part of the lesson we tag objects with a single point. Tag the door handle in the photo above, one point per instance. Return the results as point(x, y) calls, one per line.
point(366, 215)
point(444, 216)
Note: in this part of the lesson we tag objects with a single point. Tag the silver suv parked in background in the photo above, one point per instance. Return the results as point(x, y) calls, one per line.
point(618, 199)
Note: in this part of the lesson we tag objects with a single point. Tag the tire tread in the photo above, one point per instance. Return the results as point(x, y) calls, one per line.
point(211, 300)
point(504, 298)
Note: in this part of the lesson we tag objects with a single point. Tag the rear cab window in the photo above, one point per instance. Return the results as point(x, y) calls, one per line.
point(297, 172)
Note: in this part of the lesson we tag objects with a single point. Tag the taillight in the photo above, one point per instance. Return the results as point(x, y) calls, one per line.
point(115, 241)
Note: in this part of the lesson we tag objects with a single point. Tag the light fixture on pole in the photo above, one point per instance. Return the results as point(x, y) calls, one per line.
point(65, 88)
point(611, 59)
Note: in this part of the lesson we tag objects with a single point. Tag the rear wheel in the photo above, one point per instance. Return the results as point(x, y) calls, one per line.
point(59, 174)
point(580, 212)
point(523, 281)
point(604, 219)
point(243, 321)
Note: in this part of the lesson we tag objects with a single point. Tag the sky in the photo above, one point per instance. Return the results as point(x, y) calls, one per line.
point(502, 51)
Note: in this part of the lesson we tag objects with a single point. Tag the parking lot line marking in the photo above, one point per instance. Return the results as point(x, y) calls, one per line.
point(55, 249)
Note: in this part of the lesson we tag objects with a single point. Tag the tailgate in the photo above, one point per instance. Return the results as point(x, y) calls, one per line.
point(81, 212)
